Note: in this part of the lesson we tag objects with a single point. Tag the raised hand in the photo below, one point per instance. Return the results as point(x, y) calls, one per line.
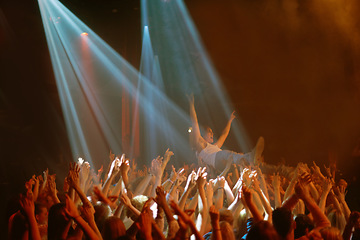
point(71, 209)
point(316, 170)
point(220, 183)
point(167, 157)
point(201, 177)
point(116, 168)
point(156, 166)
point(328, 171)
point(125, 200)
point(341, 193)
point(209, 191)
point(326, 185)
point(276, 181)
point(232, 117)
point(88, 212)
point(245, 176)
point(52, 186)
point(301, 191)
point(256, 185)
point(84, 171)
point(27, 204)
point(124, 166)
point(305, 178)
point(246, 194)
point(191, 182)
point(160, 198)
point(73, 175)
point(214, 214)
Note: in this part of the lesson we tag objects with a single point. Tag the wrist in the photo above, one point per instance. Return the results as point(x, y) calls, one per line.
point(76, 217)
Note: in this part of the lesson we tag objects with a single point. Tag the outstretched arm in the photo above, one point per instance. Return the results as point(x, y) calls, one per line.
point(226, 131)
point(194, 121)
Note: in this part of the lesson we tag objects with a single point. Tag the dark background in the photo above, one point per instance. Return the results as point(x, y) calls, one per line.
point(291, 69)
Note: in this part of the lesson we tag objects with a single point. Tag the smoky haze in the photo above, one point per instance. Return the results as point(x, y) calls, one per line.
point(292, 69)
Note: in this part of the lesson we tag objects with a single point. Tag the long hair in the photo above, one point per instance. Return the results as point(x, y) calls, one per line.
point(57, 221)
point(113, 228)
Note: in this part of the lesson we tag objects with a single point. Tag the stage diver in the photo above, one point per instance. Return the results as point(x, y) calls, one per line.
point(211, 153)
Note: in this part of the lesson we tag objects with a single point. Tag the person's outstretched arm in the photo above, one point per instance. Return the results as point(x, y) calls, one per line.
point(226, 131)
point(215, 217)
point(29, 209)
point(71, 211)
point(320, 220)
point(194, 122)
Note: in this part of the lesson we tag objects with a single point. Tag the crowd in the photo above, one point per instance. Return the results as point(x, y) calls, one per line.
point(247, 199)
point(242, 202)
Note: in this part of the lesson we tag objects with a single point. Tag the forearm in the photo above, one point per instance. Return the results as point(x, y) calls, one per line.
point(322, 201)
point(290, 189)
point(196, 233)
point(118, 187)
point(125, 179)
point(254, 211)
point(168, 213)
point(228, 193)
point(157, 232)
point(320, 219)
point(224, 134)
point(156, 184)
point(290, 202)
point(346, 209)
point(134, 210)
point(194, 121)
point(55, 197)
point(266, 204)
point(33, 228)
point(314, 192)
point(194, 201)
point(277, 197)
point(167, 185)
point(83, 181)
point(183, 198)
point(107, 184)
point(203, 207)
point(216, 232)
point(142, 185)
point(173, 189)
point(219, 198)
point(263, 186)
point(94, 227)
point(89, 232)
point(81, 195)
point(118, 210)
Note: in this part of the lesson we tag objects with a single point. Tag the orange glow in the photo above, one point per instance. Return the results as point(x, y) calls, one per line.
point(84, 34)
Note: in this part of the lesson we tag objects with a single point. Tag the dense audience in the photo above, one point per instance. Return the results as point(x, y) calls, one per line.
point(245, 201)
point(248, 199)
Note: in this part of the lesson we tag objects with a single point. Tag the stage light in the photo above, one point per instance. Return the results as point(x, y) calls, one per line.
point(186, 66)
point(190, 130)
point(93, 80)
point(84, 34)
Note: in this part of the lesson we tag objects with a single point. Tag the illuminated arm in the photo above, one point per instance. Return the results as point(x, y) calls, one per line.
point(194, 121)
point(226, 131)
